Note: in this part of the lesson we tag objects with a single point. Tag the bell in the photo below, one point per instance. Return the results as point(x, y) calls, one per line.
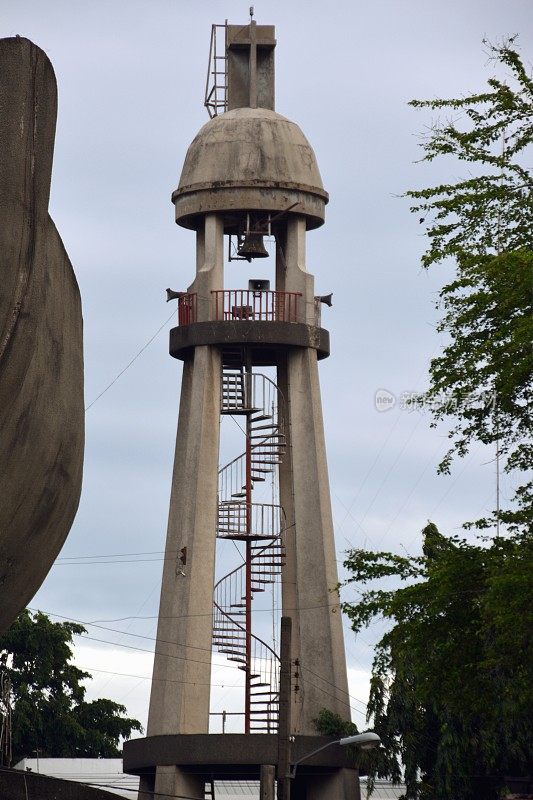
point(252, 247)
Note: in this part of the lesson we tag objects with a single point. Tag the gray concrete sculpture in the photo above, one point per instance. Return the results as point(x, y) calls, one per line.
point(41, 354)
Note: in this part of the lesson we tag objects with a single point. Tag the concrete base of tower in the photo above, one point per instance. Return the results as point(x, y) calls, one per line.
point(182, 763)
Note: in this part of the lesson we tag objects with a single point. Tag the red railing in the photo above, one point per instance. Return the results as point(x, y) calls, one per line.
point(245, 304)
point(186, 308)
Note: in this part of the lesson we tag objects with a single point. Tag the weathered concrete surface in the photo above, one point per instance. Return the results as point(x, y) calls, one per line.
point(197, 758)
point(179, 698)
point(317, 639)
point(215, 751)
point(41, 356)
point(239, 41)
point(267, 339)
point(245, 159)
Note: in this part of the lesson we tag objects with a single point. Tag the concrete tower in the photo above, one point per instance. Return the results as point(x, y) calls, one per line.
point(250, 181)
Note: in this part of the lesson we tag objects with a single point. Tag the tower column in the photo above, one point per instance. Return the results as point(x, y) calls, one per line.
point(310, 575)
point(179, 701)
point(291, 273)
point(180, 690)
point(209, 265)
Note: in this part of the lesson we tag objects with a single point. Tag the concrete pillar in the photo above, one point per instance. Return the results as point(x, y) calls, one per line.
point(341, 784)
point(173, 782)
point(209, 265)
point(267, 781)
point(310, 573)
point(179, 701)
point(291, 274)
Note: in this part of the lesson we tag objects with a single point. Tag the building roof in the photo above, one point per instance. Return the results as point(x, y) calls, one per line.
point(106, 773)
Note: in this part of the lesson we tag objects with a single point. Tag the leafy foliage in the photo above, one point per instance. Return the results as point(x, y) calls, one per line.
point(451, 688)
point(380, 761)
point(492, 212)
point(483, 378)
point(49, 711)
point(452, 680)
point(329, 723)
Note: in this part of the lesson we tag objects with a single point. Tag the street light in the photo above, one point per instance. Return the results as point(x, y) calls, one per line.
point(366, 741)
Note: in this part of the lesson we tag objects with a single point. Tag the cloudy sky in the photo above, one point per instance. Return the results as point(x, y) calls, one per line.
point(131, 77)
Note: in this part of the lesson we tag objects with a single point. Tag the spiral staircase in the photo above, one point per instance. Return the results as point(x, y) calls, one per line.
point(260, 526)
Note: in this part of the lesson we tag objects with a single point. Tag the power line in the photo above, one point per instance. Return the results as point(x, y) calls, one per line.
point(183, 658)
point(222, 666)
point(141, 636)
point(113, 555)
point(376, 458)
point(392, 467)
point(162, 680)
point(116, 561)
point(139, 609)
point(155, 652)
point(368, 473)
point(333, 685)
point(205, 649)
point(335, 697)
point(178, 616)
point(135, 357)
point(413, 489)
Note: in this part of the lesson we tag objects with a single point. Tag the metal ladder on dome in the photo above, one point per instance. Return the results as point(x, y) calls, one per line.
point(216, 86)
point(261, 526)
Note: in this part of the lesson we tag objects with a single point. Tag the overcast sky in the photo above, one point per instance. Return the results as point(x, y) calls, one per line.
point(131, 77)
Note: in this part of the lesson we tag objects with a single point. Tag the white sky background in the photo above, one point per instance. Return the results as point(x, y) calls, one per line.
point(131, 77)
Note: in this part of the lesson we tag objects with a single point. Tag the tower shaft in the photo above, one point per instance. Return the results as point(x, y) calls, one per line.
point(251, 354)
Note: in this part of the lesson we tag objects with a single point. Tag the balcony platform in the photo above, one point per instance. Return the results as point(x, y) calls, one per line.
point(219, 754)
point(266, 338)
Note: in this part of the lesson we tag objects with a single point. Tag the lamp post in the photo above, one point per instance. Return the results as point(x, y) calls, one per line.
point(366, 741)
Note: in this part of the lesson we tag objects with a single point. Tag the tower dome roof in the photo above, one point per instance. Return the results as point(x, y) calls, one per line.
point(249, 159)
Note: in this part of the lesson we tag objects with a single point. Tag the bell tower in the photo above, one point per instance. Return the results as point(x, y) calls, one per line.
point(250, 190)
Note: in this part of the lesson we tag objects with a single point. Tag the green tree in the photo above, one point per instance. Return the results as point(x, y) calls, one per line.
point(482, 380)
point(382, 761)
point(452, 680)
point(48, 706)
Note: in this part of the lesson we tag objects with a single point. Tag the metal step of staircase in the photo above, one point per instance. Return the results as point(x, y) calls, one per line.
point(268, 445)
point(232, 652)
